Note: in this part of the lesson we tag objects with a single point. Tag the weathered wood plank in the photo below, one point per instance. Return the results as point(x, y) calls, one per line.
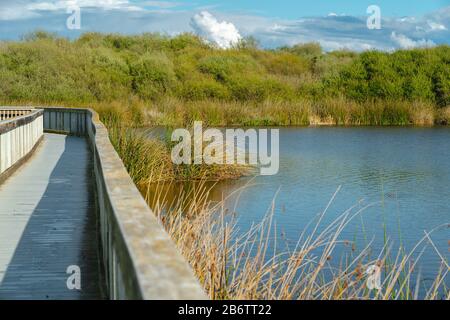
point(48, 222)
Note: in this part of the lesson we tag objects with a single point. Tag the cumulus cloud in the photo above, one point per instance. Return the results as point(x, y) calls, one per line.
point(436, 26)
point(223, 34)
point(335, 31)
point(408, 43)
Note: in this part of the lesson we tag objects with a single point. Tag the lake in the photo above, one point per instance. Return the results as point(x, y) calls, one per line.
point(402, 173)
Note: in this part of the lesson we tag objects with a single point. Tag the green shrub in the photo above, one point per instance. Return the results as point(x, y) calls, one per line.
point(118, 41)
point(441, 84)
point(185, 41)
point(254, 88)
point(332, 63)
point(223, 67)
point(309, 50)
point(419, 74)
point(153, 75)
point(370, 87)
point(204, 89)
point(285, 63)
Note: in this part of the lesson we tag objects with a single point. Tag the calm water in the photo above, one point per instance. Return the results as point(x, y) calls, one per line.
point(404, 173)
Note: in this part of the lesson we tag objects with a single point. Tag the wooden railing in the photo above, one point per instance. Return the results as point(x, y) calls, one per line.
point(20, 132)
point(9, 113)
point(140, 259)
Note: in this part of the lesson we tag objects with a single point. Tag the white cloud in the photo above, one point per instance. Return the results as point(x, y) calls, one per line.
point(335, 31)
point(407, 19)
point(15, 13)
point(278, 27)
point(99, 4)
point(161, 4)
point(223, 34)
point(436, 26)
point(408, 43)
point(349, 44)
point(334, 14)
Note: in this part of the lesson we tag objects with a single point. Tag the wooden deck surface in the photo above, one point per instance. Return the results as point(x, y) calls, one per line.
point(48, 223)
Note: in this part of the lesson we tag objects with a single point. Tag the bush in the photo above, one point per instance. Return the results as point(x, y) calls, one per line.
point(285, 63)
point(119, 41)
point(441, 84)
point(202, 89)
point(185, 41)
point(309, 50)
point(223, 67)
point(105, 68)
point(153, 75)
point(254, 88)
point(419, 74)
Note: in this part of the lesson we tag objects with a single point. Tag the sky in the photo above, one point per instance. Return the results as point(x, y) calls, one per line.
point(334, 24)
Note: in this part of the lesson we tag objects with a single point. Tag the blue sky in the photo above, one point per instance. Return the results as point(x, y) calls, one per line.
point(334, 24)
point(293, 9)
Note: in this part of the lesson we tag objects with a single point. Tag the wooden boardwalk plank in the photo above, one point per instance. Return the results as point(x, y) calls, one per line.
point(48, 222)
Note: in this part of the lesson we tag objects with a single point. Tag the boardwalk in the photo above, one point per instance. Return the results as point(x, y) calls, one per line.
point(47, 223)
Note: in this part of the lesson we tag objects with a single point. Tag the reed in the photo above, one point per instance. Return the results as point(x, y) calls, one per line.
point(256, 264)
point(325, 111)
point(443, 116)
point(143, 155)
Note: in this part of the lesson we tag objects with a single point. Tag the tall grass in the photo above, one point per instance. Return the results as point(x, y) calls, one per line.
point(143, 156)
point(232, 264)
point(326, 111)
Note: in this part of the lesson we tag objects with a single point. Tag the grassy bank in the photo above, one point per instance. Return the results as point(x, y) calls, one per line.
point(174, 80)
